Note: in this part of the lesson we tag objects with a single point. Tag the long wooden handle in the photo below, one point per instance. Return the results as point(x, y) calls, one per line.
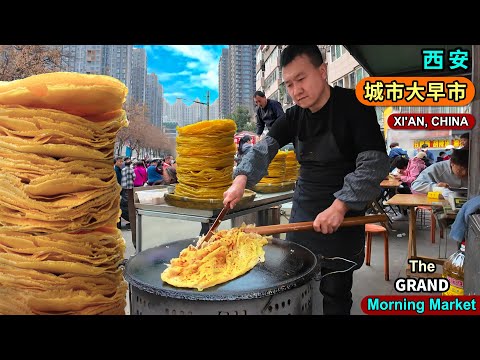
point(215, 225)
point(308, 225)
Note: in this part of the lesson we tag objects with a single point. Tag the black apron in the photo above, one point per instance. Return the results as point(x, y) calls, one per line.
point(322, 171)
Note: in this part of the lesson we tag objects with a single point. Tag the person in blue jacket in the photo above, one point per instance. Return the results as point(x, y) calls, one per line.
point(396, 150)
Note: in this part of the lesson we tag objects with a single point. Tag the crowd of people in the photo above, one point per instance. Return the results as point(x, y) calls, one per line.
point(143, 172)
point(422, 174)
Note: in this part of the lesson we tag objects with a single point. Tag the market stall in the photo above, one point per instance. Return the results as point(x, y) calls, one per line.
point(402, 60)
point(257, 211)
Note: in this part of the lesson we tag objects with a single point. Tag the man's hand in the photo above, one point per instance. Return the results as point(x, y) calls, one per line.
point(235, 192)
point(442, 184)
point(329, 220)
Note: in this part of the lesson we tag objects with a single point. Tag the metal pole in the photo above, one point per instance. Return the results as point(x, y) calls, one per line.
point(208, 104)
point(474, 143)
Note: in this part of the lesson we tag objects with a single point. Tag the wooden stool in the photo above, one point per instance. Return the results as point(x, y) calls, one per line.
point(370, 230)
point(433, 221)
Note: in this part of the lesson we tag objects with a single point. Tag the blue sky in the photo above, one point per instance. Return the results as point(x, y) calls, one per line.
point(185, 71)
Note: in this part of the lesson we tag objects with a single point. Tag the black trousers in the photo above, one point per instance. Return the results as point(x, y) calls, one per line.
point(336, 281)
point(336, 289)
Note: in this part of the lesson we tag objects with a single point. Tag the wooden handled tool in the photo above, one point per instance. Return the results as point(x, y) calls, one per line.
point(308, 225)
point(215, 225)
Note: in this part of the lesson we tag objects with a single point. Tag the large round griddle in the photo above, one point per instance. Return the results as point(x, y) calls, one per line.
point(287, 265)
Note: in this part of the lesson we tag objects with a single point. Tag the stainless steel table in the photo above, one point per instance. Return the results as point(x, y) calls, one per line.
point(260, 206)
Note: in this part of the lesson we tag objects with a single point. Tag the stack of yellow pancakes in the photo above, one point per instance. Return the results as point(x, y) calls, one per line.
point(291, 166)
point(276, 169)
point(205, 158)
point(60, 249)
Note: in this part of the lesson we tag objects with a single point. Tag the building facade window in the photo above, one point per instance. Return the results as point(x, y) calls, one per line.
point(339, 82)
point(352, 82)
point(360, 73)
point(336, 52)
point(274, 96)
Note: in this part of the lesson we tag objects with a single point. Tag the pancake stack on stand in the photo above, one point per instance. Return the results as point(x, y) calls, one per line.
point(291, 166)
point(205, 159)
point(276, 170)
point(60, 249)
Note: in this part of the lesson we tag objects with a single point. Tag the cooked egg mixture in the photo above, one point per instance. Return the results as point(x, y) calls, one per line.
point(227, 255)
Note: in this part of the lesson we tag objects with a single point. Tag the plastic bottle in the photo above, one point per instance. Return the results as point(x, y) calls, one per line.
point(453, 271)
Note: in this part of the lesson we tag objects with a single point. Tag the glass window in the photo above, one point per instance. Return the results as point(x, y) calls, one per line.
point(333, 53)
point(360, 74)
point(352, 80)
point(338, 50)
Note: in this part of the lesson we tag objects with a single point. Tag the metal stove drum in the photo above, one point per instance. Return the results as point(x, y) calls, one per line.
point(279, 286)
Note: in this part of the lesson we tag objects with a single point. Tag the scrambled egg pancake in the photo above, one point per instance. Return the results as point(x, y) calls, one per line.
point(227, 255)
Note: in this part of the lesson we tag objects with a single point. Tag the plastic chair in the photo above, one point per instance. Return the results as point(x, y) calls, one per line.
point(370, 230)
point(433, 222)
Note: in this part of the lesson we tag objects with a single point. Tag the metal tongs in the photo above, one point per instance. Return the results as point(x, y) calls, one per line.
point(214, 226)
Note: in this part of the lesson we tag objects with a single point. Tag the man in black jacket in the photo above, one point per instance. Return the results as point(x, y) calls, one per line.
point(268, 111)
point(343, 159)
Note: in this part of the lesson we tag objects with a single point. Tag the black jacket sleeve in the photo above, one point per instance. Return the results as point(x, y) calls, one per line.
point(277, 109)
point(281, 131)
point(260, 123)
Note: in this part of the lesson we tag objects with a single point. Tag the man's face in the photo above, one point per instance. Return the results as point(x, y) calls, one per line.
point(119, 162)
point(459, 171)
point(305, 83)
point(464, 142)
point(260, 101)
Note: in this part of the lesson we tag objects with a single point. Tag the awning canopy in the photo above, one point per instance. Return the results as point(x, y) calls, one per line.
point(402, 60)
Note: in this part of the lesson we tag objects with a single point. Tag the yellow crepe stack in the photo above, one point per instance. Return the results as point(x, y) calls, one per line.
point(60, 249)
point(205, 158)
point(291, 166)
point(276, 170)
point(227, 255)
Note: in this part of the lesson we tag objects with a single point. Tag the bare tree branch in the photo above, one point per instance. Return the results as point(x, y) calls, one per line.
point(21, 61)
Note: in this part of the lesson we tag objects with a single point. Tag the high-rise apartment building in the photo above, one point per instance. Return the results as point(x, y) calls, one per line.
point(196, 112)
point(118, 62)
point(179, 112)
point(241, 76)
point(224, 84)
point(139, 76)
point(151, 98)
point(112, 60)
point(70, 56)
point(90, 59)
point(269, 75)
point(123, 62)
point(215, 110)
point(160, 100)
